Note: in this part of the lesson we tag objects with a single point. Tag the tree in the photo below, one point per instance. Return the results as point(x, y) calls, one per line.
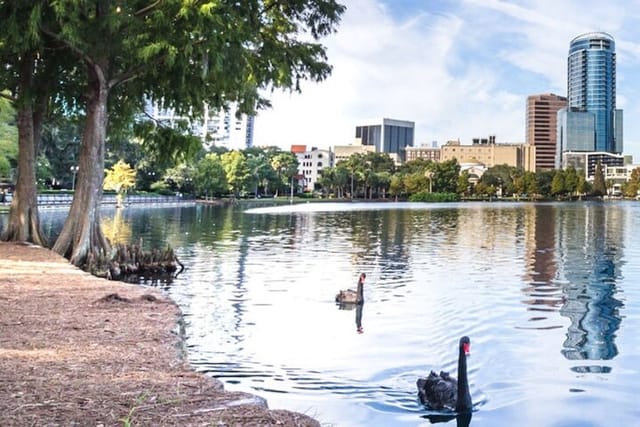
point(582, 186)
point(236, 170)
point(259, 168)
point(531, 185)
point(8, 139)
point(463, 183)
point(599, 186)
point(180, 178)
point(557, 184)
point(633, 185)
point(120, 178)
point(570, 180)
point(415, 183)
point(543, 181)
point(184, 55)
point(396, 186)
point(445, 176)
point(210, 178)
point(28, 72)
point(383, 179)
point(285, 164)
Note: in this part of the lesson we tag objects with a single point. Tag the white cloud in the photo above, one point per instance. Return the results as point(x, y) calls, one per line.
point(458, 72)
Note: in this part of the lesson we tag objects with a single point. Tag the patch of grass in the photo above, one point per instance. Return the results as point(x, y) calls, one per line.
point(128, 420)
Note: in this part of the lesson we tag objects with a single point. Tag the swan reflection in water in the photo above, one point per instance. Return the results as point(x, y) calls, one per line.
point(350, 299)
point(462, 420)
point(358, 309)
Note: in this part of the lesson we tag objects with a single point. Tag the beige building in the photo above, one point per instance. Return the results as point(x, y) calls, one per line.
point(542, 113)
point(490, 154)
point(427, 153)
point(343, 152)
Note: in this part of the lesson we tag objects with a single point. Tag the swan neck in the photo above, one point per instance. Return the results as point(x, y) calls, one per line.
point(464, 397)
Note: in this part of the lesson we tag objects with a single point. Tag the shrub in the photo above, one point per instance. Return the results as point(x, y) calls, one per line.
point(425, 196)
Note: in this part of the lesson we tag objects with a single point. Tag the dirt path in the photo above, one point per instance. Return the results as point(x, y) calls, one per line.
point(76, 350)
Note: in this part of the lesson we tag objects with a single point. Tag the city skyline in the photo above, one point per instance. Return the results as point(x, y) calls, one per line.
point(458, 69)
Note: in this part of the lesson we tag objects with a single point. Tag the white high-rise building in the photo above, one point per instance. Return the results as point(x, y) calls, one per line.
point(215, 128)
point(224, 129)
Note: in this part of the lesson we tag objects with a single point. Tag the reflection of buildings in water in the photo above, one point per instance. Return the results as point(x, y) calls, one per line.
point(539, 227)
point(592, 255)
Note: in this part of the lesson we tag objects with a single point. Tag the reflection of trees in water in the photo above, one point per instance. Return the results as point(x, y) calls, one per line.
point(405, 229)
point(591, 260)
point(117, 229)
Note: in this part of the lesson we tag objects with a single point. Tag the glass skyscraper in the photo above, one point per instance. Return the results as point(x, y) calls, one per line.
point(592, 87)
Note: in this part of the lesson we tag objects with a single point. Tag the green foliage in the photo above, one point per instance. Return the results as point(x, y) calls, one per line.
point(463, 183)
point(161, 187)
point(416, 166)
point(8, 139)
point(396, 186)
point(630, 189)
point(285, 165)
point(445, 176)
point(165, 145)
point(599, 186)
point(236, 170)
point(557, 184)
point(180, 178)
point(210, 177)
point(425, 196)
point(570, 180)
point(5, 167)
point(543, 181)
point(415, 183)
point(530, 183)
point(582, 186)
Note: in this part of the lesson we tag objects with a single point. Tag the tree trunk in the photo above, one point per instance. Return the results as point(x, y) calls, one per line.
point(81, 234)
point(24, 223)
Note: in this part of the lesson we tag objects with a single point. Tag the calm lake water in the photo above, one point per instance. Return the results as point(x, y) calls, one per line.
point(548, 293)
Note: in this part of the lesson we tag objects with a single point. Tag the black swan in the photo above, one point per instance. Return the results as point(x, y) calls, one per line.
point(349, 296)
point(443, 391)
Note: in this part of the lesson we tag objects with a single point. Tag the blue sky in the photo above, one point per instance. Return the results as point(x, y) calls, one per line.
point(459, 69)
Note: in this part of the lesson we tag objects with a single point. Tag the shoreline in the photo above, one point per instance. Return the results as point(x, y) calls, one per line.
point(79, 350)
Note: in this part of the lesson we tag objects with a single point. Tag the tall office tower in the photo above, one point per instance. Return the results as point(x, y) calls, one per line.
point(542, 111)
point(592, 87)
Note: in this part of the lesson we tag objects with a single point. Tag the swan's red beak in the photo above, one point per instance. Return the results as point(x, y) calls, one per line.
point(467, 349)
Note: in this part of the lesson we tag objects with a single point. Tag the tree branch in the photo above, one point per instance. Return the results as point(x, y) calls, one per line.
point(147, 9)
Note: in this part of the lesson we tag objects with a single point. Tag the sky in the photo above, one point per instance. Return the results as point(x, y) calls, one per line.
point(458, 69)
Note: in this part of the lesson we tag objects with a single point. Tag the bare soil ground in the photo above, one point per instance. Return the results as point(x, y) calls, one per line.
point(76, 350)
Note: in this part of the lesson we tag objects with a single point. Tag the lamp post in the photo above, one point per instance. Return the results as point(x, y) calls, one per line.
point(74, 170)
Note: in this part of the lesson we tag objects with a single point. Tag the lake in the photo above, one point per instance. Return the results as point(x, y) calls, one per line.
point(547, 292)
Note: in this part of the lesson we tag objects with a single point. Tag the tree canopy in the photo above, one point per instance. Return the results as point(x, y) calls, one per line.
point(114, 57)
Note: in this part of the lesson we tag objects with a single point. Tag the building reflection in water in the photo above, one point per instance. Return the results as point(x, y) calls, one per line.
point(590, 243)
point(543, 292)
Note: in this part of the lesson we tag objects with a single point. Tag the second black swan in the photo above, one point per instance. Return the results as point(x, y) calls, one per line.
point(442, 391)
